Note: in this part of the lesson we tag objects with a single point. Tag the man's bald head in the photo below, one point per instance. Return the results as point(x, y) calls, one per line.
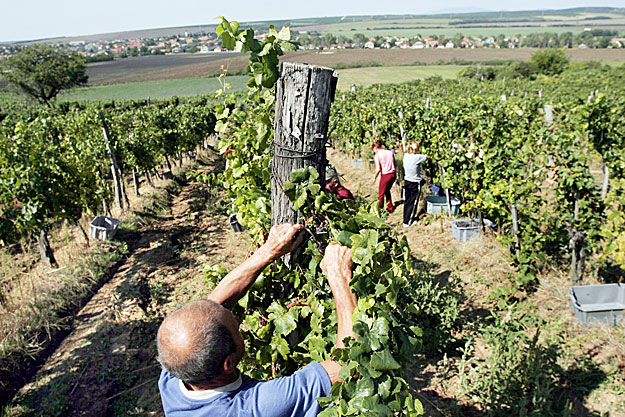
point(193, 342)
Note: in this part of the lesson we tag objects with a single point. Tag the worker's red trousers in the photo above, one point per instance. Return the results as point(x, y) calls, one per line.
point(384, 190)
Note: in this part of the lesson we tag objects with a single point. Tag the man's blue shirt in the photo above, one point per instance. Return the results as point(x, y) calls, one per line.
point(291, 396)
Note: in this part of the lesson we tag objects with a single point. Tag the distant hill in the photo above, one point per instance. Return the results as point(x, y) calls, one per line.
point(578, 16)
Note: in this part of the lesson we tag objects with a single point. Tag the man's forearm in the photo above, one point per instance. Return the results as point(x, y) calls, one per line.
point(234, 285)
point(282, 239)
point(346, 303)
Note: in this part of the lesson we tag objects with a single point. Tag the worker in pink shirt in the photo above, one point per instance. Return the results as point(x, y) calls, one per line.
point(385, 167)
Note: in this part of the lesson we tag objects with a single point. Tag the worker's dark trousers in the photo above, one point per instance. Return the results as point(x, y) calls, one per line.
point(412, 190)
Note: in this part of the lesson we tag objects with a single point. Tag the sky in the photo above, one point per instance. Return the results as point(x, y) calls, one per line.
point(37, 19)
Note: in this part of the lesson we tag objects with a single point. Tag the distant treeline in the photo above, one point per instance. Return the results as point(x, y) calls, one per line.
point(596, 38)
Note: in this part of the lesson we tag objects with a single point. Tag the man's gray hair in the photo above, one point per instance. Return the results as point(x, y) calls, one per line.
point(210, 344)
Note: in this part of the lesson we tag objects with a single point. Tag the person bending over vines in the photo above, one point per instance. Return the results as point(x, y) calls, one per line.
point(199, 345)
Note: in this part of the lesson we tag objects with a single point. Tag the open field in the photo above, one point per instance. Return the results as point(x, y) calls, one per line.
point(154, 89)
point(145, 68)
point(364, 77)
point(367, 67)
point(362, 57)
point(190, 66)
point(467, 31)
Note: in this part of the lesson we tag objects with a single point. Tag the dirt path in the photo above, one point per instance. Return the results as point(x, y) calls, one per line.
point(106, 365)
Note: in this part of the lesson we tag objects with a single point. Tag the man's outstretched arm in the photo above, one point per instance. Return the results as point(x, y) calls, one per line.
point(282, 240)
point(337, 265)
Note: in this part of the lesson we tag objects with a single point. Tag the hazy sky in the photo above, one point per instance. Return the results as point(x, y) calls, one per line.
point(33, 19)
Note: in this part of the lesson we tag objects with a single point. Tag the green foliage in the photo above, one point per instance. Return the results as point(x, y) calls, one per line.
point(520, 367)
point(43, 71)
point(550, 61)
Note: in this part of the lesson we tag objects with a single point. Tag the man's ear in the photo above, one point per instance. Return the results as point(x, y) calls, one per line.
point(230, 363)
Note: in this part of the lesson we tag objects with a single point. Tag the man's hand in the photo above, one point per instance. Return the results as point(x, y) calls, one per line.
point(337, 263)
point(283, 239)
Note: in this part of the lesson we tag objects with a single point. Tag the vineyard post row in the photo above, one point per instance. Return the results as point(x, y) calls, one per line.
point(58, 165)
point(520, 156)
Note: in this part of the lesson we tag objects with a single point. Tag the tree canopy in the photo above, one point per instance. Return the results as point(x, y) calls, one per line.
point(43, 71)
point(550, 61)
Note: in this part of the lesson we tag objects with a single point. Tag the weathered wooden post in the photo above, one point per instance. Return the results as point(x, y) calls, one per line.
point(114, 167)
point(515, 229)
point(304, 94)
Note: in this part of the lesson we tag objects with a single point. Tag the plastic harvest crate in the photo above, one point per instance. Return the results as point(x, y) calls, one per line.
point(465, 230)
point(598, 303)
point(437, 204)
point(359, 163)
point(103, 227)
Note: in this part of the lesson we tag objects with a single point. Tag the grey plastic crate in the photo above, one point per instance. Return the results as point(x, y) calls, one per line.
point(103, 228)
point(465, 230)
point(436, 204)
point(604, 304)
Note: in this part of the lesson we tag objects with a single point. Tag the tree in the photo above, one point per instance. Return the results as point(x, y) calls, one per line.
point(43, 71)
point(550, 61)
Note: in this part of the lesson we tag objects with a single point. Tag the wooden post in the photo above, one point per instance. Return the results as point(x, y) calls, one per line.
point(515, 228)
point(135, 182)
point(47, 256)
point(576, 245)
point(114, 167)
point(606, 181)
point(304, 94)
point(149, 178)
point(548, 114)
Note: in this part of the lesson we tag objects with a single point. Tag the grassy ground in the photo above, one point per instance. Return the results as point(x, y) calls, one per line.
point(154, 89)
point(367, 76)
point(198, 86)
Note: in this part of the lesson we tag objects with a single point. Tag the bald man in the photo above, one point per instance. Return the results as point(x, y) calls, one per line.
point(200, 346)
